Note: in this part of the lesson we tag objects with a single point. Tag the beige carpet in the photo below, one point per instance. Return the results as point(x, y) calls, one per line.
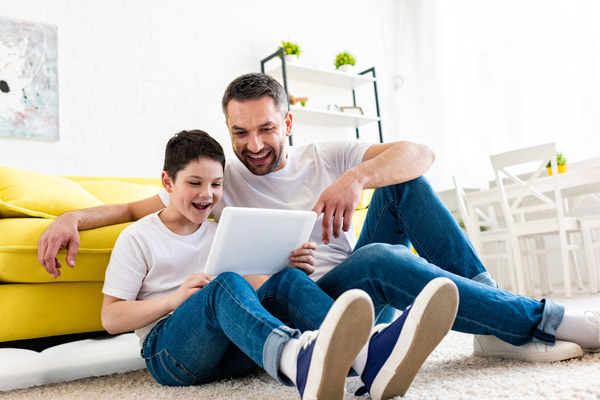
point(451, 372)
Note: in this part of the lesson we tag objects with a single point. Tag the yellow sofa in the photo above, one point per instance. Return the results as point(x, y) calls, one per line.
point(32, 303)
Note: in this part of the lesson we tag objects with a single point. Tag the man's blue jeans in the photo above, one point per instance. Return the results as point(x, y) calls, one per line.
point(383, 266)
point(223, 331)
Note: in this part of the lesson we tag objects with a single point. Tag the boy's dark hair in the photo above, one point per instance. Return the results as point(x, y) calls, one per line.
point(255, 86)
point(187, 146)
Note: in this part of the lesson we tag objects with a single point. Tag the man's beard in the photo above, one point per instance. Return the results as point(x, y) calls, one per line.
point(264, 170)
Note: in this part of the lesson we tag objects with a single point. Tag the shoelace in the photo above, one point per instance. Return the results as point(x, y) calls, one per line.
point(307, 338)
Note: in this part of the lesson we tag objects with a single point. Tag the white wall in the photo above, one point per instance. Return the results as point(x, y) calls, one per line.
point(134, 72)
point(482, 77)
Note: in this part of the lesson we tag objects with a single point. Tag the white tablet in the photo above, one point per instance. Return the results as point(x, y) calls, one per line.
point(257, 241)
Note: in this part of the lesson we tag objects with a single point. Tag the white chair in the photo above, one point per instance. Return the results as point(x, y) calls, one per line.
point(483, 228)
point(588, 226)
point(530, 213)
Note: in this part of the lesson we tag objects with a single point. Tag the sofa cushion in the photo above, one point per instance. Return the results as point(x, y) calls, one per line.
point(34, 310)
point(111, 191)
point(26, 193)
point(365, 199)
point(18, 252)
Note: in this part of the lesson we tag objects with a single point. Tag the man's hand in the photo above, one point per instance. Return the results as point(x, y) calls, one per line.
point(304, 258)
point(337, 203)
point(61, 233)
point(192, 284)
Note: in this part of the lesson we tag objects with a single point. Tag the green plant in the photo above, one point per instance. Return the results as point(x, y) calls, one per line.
point(344, 58)
point(290, 48)
point(560, 159)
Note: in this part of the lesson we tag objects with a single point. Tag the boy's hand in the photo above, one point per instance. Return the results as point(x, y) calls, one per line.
point(192, 284)
point(304, 258)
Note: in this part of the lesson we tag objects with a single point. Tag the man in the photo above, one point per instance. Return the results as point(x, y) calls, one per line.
point(328, 178)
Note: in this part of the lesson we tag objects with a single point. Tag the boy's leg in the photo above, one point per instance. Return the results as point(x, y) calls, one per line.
point(294, 299)
point(196, 344)
point(412, 213)
point(189, 346)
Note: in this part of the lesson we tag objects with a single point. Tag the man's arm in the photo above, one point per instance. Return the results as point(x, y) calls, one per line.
point(382, 165)
point(64, 231)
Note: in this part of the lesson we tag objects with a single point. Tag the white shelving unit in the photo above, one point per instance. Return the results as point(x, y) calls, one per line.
point(330, 118)
point(323, 77)
point(347, 81)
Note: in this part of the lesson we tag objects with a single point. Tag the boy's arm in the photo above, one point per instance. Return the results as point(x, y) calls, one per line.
point(64, 231)
point(120, 315)
point(382, 165)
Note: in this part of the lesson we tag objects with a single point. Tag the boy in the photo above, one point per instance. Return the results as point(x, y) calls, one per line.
point(195, 329)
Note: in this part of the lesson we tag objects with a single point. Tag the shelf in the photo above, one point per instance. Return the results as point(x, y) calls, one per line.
point(329, 118)
point(321, 77)
point(344, 80)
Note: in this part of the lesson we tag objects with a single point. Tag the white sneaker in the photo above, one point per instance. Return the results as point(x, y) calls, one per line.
point(491, 346)
point(593, 318)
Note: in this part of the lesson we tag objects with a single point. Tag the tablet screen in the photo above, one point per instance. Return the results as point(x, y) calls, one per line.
point(257, 241)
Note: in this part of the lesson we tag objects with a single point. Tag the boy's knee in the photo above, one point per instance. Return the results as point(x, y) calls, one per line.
point(292, 273)
point(229, 277)
point(287, 276)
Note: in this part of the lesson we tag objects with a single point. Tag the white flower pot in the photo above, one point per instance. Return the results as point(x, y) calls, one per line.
point(346, 68)
point(291, 58)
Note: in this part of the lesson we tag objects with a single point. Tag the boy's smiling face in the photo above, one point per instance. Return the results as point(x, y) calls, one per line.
point(193, 194)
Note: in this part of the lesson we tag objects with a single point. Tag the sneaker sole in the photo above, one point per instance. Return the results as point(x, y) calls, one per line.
point(428, 322)
point(342, 335)
point(566, 353)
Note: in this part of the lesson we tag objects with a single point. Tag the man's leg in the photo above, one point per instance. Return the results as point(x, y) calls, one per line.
point(396, 354)
point(393, 275)
point(412, 213)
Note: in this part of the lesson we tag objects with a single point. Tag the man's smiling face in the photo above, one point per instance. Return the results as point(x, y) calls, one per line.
point(258, 132)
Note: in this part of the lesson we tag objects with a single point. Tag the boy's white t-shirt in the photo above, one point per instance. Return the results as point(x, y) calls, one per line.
point(310, 169)
point(149, 260)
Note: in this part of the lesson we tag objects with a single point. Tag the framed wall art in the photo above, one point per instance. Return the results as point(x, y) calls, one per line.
point(28, 80)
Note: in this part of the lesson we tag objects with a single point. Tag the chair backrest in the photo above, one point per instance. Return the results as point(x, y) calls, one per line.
point(524, 199)
point(485, 218)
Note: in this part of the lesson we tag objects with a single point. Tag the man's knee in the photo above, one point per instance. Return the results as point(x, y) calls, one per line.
point(383, 256)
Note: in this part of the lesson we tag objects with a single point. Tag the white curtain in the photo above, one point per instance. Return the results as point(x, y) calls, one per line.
point(479, 77)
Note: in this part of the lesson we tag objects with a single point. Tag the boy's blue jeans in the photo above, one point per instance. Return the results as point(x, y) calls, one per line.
point(223, 331)
point(383, 266)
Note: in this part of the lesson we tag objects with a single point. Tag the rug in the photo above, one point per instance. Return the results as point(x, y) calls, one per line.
point(451, 372)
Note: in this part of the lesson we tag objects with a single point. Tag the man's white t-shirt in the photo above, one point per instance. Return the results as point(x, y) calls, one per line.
point(309, 170)
point(149, 260)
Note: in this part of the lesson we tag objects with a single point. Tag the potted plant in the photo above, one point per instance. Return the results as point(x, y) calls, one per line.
point(344, 61)
point(561, 163)
point(291, 50)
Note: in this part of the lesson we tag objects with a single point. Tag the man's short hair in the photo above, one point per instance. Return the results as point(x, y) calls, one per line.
point(187, 146)
point(255, 86)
